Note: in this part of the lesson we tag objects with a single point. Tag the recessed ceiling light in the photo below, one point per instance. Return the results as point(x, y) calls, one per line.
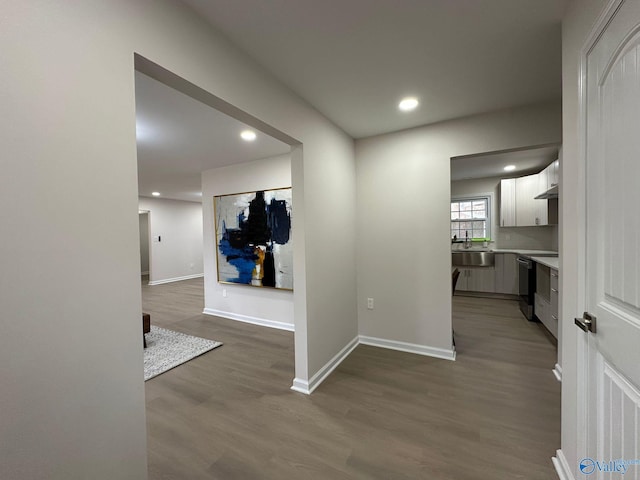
point(155, 194)
point(408, 104)
point(248, 135)
point(509, 168)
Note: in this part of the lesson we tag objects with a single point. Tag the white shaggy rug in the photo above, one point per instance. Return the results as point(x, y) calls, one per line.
point(167, 349)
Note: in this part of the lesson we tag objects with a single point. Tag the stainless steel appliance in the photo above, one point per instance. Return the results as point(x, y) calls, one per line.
point(527, 286)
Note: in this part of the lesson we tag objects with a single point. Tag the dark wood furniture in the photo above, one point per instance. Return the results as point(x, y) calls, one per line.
point(454, 282)
point(146, 327)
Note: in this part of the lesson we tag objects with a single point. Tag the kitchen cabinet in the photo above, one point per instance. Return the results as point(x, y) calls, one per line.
point(518, 205)
point(546, 298)
point(543, 181)
point(529, 211)
point(508, 202)
point(548, 180)
point(476, 279)
point(554, 298)
point(506, 273)
point(543, 281)
point(542, 309)
point(551, 175)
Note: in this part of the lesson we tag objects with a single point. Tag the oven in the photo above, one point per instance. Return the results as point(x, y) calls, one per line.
point(527, 285)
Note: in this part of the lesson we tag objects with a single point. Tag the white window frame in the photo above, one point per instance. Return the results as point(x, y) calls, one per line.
point(470, 198)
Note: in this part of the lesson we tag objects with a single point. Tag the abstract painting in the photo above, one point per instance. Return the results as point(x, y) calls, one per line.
point(253, 238)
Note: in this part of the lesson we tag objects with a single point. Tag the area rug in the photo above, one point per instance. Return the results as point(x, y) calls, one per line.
point(167, 349)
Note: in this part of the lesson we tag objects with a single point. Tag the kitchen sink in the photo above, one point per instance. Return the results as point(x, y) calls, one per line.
point(472, 259)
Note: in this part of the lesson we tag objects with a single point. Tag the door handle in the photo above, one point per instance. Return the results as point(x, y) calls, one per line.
point(587, 323)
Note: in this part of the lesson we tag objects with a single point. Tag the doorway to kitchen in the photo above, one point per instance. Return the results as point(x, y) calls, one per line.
point(498, 225)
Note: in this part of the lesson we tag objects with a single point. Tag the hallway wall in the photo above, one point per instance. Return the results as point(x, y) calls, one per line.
point(144, 243)
point(404, 246)
point(176, 239)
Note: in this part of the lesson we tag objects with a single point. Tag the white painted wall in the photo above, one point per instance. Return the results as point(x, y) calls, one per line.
point(404, 259)
point(144, 243)
point(258, 305)
point(579, 19)
point(534, 238)
point(72, 406)
point(178, 254)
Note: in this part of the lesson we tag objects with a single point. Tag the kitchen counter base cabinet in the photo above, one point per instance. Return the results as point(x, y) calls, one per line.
point(477, 279)
point(542, 309)
point(506, 269)
point(546, 299)
point(554, 297)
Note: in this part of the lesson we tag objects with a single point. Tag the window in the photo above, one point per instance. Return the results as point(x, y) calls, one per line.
point(472, 216)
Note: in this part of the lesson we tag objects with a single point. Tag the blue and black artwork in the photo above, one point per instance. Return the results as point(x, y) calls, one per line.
point(253, 232)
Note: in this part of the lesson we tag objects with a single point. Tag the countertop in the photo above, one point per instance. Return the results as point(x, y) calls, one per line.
point(552, 262)
point(518, 251)
point(526, 253)
point(544, 257)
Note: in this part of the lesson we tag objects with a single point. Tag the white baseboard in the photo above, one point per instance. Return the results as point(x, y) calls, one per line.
point(557, 371)
point(307, 387)
point(248, 319)
point(300, 386)
point(409, 347)
point(176, 279)
point(562, 466)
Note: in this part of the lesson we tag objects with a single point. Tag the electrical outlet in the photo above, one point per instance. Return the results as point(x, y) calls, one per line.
point(369, 303)
point(224, 292)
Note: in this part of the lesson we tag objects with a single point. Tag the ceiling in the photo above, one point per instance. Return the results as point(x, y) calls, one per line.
point(179, 137)
point(529, 160)
point(354, 60)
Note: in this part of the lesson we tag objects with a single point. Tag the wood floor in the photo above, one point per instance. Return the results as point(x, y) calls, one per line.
point(494, 413)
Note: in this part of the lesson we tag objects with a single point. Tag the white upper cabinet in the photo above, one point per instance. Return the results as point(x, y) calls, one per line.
point(508, 202)
point(554, 174)
point(544, 180)
point(519, 206)
point(529, 211)
point(548, 181)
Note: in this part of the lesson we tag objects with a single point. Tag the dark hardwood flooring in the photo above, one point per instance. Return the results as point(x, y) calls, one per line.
point(494, 413)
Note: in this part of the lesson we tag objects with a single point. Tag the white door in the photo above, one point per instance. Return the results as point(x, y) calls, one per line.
point(610, 382)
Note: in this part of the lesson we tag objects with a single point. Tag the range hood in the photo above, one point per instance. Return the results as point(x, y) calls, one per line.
point(551, 193)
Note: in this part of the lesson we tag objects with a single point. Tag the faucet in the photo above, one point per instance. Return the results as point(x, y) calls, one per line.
point(467, 240)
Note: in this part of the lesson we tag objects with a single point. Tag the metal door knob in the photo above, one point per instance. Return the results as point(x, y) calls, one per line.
point(587, 323)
